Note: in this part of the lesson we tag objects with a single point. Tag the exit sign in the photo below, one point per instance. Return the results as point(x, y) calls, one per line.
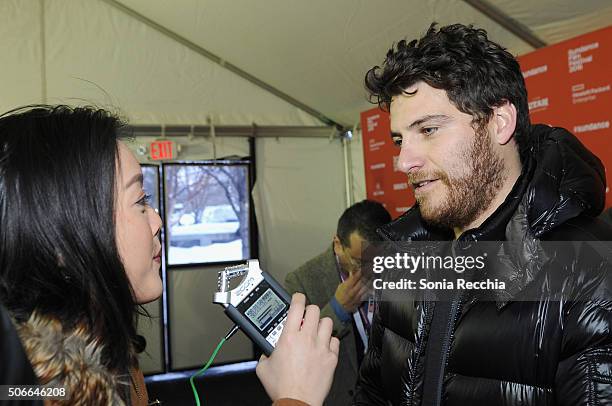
point(162, 150)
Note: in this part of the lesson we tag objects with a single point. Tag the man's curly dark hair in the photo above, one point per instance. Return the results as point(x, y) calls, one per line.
point(476, 73)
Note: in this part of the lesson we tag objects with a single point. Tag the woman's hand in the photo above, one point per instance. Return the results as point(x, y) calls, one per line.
point(303, 362)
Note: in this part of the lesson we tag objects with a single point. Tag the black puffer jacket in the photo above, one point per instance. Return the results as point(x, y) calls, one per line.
point(509, 352)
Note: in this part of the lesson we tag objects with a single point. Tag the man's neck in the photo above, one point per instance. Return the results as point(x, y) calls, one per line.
point(497, 201)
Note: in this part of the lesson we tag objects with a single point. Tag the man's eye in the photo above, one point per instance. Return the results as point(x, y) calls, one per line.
point(397, 140)
point(429, 130)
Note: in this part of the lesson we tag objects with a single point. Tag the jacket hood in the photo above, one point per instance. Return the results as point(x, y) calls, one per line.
point(569, 180)
point(561, 179)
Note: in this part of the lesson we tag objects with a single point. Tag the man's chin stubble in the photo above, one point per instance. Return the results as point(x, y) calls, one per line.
point(460, 208)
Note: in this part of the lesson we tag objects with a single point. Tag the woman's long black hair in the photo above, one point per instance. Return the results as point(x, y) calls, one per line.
point(58, 252)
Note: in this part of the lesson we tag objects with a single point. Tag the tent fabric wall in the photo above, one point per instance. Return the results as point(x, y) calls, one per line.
point(555, 21)
point(357, 167)
point(318, 51)
point(95, 54)
point(20, 46)
point(322, 62)
point(299, 196)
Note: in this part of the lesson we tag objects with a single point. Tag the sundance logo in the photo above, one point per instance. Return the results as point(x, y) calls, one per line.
point(538, 104)
point(535, 71)
point(576, 60)
point(372, 122)
point(601, 125)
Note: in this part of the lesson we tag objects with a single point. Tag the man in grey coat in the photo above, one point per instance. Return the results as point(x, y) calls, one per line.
point(333, 281)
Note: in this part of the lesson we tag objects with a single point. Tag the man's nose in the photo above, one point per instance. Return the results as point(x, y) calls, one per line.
point(410, 158)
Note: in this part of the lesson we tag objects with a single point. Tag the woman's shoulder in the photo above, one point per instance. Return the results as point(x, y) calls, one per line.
point(70, 358)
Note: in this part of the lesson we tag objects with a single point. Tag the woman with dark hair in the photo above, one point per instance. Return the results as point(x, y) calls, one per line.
point(78, 248)
point(79, 251)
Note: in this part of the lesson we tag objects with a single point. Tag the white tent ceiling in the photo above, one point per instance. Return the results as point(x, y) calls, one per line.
point(315, 51)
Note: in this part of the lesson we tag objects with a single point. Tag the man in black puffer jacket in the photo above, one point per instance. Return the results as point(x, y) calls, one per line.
point(481, 172)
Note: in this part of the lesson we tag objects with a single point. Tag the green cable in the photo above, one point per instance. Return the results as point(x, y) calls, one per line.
point(201, 371)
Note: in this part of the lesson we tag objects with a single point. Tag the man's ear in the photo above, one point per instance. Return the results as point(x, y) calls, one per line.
point(337, 244)
point(504, 122)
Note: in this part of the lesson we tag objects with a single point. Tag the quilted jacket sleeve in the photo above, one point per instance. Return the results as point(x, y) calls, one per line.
point(584, 376)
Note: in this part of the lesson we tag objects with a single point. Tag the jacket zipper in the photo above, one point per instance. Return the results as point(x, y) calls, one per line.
point(446, 347)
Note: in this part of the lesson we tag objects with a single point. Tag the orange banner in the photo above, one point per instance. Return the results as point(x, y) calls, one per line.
point(568, 86)
point(384, 183)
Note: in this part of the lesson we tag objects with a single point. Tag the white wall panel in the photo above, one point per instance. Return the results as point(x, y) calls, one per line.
point(298, 199)
point(20, 47)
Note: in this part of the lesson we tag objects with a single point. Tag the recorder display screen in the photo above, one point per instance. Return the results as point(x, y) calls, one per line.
point(265, 309)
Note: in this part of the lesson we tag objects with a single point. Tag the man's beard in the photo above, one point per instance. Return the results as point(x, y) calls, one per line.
point(470, 195)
